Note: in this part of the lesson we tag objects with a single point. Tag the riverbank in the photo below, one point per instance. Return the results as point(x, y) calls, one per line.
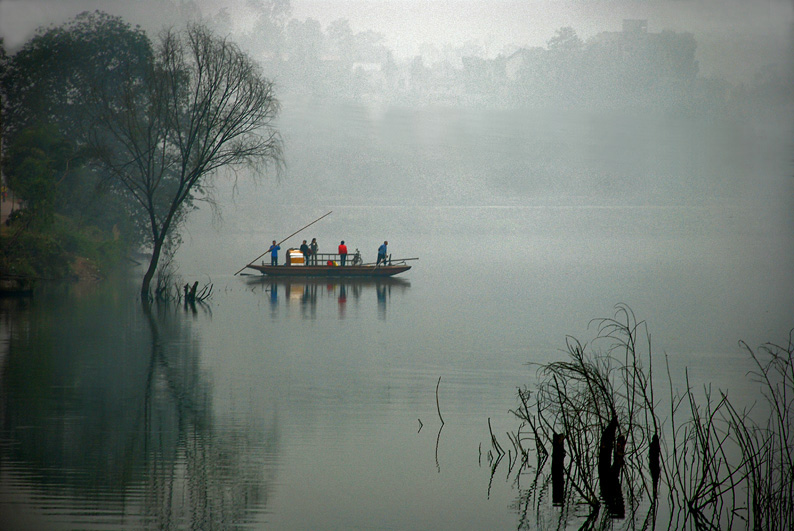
point(63, 250)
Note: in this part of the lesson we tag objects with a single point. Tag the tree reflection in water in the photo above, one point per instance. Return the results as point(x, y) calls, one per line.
point(106, 413)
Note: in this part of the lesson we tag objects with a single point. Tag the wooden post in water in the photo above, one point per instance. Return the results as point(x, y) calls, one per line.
point(558, 469)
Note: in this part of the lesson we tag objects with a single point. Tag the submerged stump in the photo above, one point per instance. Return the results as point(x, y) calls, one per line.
point(653, 461)
point(558, 469)
point(611, 456)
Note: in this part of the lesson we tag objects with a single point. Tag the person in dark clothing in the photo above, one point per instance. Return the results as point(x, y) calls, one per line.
point(306, 252)
point(342, 252)
point(314, 249)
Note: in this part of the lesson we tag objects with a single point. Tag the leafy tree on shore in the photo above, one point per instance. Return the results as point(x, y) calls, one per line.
point(48, 78)
point(152, 122)
point(36, 163)
point(201, 105)
point(46, 86)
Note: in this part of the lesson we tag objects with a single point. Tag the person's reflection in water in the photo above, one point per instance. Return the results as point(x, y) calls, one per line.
point(309, 301)
point(342, 300)
point(306, 295)
point(313, 300)
point(380, 293)
point(273, 297)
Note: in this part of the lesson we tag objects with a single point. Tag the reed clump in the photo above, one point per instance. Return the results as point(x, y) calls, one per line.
point(715, 465)
point(768, 446)
point(168, 287)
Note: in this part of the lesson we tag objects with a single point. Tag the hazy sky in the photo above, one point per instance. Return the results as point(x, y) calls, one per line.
point(503, 22)
point(495, 25)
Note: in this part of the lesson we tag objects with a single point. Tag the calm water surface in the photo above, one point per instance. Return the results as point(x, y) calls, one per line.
point(312, 404)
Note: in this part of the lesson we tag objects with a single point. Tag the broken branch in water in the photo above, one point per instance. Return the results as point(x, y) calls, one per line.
point(438, 407)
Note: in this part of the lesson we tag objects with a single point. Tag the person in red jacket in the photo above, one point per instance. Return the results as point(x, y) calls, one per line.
point(342, 252)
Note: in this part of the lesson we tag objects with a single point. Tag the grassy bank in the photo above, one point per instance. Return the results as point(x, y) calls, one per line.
point(62, 250)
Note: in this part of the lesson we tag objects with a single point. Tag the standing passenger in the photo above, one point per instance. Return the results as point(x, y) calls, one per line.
point(274, 249)
point(382, 254)
point(306, 252)
point(314, 248)
point(342, 252)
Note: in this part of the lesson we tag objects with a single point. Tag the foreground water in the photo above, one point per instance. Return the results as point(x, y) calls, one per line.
point(313, 405)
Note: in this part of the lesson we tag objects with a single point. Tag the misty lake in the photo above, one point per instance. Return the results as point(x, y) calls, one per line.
point(314, 404)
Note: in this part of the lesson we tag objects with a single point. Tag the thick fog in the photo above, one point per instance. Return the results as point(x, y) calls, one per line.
point(471, 102)
point(737, 39)
point(745, 29)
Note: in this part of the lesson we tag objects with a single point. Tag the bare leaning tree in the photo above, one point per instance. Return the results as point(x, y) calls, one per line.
point(200, 105)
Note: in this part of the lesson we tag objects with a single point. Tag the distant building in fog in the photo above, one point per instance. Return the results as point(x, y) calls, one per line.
point(519, 60)
point(613, 68)
point(662, 55)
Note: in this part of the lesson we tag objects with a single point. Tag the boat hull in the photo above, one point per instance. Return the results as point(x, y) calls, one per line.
point(330, 271)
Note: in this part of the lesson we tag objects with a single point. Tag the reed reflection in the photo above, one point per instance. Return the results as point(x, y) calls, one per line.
point(310, 295)
point(104, 403)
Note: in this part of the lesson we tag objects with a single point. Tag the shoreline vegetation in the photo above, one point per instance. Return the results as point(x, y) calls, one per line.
point(113, 137)
point(72, 252)
point(709, 462)
point(65, 250)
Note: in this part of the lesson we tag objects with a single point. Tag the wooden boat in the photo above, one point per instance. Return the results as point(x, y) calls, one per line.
point(329, 265)
point(366, 270)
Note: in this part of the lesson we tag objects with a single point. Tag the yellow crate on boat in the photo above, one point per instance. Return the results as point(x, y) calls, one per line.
point(295, 257)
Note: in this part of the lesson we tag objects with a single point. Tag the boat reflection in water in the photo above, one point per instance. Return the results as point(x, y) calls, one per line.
point(312, 295)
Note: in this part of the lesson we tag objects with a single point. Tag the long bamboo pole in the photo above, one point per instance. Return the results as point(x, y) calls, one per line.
point(282, 241)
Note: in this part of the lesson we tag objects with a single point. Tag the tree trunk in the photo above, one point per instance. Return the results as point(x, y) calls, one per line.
point(149, 275)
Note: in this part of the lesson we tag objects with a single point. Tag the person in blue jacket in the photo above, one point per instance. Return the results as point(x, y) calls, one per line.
point(274, 249)
point(382, 254)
